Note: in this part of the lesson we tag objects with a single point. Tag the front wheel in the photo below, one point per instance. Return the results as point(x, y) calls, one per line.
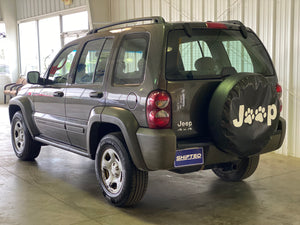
point(122, 183)
point(238, 171)
point(24, 146)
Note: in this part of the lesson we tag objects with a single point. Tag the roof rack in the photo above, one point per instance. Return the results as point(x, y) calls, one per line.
point(155, 19)
point(243, 29)
point(236, 22)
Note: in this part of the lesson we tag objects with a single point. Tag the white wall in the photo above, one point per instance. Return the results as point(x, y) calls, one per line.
point(277, 23)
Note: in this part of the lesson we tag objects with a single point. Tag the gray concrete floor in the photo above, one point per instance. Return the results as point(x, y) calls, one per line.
point(61, 188)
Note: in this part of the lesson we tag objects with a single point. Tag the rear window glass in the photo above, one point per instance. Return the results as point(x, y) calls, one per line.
point(191, 51)
point(214, 53)
point(238, 56)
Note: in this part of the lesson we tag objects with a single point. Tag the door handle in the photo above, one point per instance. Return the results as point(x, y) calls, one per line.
point(58, 94)
point(96, 94)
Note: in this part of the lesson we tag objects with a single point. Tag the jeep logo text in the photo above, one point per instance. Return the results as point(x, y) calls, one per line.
point(260, 114)
point(184, 124)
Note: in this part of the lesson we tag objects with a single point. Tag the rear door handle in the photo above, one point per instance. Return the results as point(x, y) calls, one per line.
point(96, 94)
point(58, 94)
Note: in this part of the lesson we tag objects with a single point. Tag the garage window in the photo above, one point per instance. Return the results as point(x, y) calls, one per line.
point(49, 40)
point(29, 47)
point(4, 64)
point(41, 39)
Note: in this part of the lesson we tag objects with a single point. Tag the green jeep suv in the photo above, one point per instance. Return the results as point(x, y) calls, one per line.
point(143, 95)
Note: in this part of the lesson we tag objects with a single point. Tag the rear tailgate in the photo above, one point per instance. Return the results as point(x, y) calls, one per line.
point(190, 101)
point(197, 62)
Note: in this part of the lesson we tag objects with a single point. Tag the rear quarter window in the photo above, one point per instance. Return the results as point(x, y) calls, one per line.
point(131, 60)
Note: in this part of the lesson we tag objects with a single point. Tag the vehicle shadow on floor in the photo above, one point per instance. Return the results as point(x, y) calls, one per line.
point(219, 203)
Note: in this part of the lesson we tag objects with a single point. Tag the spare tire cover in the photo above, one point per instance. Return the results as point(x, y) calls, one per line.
point(243, 114)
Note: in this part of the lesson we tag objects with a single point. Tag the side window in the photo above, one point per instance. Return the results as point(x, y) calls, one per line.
point(238, 56)
point(101, 65)
point(88, 61)
point(191, 52)
point(61, 67)
point(130, 64)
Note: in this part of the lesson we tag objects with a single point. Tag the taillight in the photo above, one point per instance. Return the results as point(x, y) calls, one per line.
point(279, 94)
point(159, 110)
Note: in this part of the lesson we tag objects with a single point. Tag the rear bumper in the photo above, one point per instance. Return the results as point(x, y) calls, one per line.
point(159, 147)
point(277, 138)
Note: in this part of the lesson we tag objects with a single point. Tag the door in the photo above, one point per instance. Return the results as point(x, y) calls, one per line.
point(87, 90)
point(49, 101)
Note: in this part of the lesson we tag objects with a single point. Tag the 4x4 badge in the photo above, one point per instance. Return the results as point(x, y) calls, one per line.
point(259, 115)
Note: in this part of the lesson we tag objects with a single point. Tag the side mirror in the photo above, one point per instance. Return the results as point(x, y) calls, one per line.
point(33, 77)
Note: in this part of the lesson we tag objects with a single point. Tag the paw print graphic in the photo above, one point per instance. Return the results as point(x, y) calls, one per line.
point(260, 114)
point(249, 116)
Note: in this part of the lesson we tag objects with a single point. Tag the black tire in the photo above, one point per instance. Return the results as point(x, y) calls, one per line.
point(238, 171)
point(243, 114)
point(24, 146)
point(121, 182)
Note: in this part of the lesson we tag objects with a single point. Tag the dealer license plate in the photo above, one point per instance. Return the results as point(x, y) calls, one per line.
point(189, 157)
